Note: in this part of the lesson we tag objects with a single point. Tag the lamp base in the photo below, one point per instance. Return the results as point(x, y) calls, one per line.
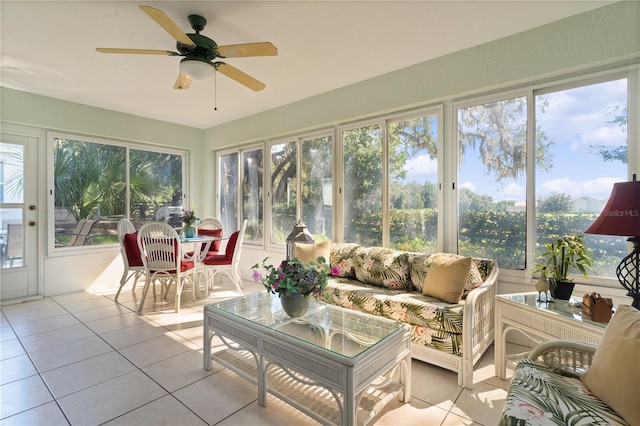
point(628, 272)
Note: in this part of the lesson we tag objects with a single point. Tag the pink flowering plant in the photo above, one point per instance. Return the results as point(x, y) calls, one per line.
point(189, 217)
point(292, 277)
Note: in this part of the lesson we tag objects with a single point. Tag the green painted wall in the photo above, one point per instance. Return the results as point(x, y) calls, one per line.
point(603, 37)
point(54, 114)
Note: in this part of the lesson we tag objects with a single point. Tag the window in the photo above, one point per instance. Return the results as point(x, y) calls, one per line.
point(317, 186)
point(252, 185)
point(302, 166)
point(492, 142)
point(527, 166)
point(240, 192)
point(96, 183)
point(284, 190)
point(413, 183)
point(583, 139)
point(228, 191)
point(363, 167)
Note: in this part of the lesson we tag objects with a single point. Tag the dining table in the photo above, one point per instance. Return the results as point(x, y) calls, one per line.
point(201, 245)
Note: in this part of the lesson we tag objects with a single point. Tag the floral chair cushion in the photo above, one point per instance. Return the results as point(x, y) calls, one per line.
point(341, 259)
point(382, 267)
point(544, 395)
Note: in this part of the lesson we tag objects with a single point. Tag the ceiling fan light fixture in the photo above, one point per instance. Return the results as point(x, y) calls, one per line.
point(198, 69)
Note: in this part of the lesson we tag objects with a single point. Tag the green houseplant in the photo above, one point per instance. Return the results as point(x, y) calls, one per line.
point(560, 255)
point(293, 280)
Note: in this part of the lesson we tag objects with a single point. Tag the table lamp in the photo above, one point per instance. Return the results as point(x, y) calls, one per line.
point(621, 216)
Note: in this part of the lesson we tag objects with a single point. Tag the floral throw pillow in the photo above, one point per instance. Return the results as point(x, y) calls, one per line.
point(382, 267)
point(341, 259)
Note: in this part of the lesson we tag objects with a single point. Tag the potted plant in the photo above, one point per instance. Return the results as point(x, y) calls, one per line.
point(189, 219)
point(293, 280)
point(561, 254)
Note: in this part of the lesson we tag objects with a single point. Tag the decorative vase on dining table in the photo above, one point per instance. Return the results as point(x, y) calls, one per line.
point(189, 231)
point(294, 306)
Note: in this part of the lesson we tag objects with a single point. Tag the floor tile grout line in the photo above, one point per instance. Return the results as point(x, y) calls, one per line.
point(43, 381)
point(193, 306)
point(140, 369)
point(40, 373)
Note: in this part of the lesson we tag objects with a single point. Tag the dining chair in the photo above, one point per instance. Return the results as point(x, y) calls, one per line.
point(131, 257)
point(161, 252)
point(210, 227)
point(227, 263)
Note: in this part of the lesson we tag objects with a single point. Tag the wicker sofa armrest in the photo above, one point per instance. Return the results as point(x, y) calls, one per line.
point(568, 355)
point(477, 325)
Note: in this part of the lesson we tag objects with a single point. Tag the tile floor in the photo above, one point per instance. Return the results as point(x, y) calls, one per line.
point(82, 359)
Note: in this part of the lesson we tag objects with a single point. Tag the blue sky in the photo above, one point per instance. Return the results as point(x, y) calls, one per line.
point(574, 120)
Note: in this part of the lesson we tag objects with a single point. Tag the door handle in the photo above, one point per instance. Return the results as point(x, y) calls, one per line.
point(32, 223)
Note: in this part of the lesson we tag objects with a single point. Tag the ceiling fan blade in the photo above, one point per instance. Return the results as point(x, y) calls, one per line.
point(183, 81)
point(137, 51)
point(167, 23)
point(264, 48)
point(237, 75)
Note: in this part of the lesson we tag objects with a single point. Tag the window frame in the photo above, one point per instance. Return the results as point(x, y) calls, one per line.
point(446, 110)
point(239, 193)
point(53, 251)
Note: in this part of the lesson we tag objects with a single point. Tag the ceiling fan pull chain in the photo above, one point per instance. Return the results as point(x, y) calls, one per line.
point(215, 90)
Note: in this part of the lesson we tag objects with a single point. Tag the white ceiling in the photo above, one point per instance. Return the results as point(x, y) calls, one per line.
point(48, 48)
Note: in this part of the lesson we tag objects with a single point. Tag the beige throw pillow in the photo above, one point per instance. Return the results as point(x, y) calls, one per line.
point(308, 252)
point(614, 373)
point(447, 277)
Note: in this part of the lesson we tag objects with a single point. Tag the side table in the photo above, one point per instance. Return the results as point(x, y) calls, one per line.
point(540, 321)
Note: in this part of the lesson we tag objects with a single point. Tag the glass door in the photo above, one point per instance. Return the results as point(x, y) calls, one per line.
point(18, 235)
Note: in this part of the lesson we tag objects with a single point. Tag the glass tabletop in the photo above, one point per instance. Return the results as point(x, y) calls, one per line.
point(342, 331)
point(566, 308)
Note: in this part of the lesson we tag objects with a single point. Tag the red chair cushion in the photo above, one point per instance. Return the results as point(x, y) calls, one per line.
point(215, 245)
point(185, 265)
point(216, 260)
point(132, 250)
point(231, 245)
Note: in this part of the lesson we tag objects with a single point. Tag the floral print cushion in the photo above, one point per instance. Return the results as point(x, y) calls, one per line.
point(433, 322)
point(544, 395)
point(351, 294)
point(383, 267)
point(341, 259)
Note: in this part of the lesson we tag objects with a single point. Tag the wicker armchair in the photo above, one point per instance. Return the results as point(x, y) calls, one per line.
point(546, 389)
point(567, 355)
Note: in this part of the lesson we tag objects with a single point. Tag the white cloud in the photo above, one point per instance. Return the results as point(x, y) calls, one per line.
point(599, 188)
point(421, 168)
point(468, 185)
point(514, 190)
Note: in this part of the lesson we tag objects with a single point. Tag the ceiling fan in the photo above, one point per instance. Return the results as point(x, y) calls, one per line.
point(200, 52)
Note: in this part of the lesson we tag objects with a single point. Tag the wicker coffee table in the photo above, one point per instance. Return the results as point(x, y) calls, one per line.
point(335, 365)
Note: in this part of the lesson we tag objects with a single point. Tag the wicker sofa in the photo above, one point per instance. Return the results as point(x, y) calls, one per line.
point(389, 283)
